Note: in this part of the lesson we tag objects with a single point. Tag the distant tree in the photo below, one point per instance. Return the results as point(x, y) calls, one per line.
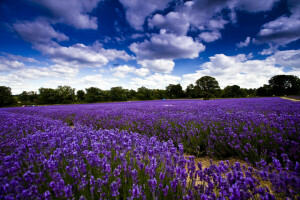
point(118, 94)
point(284, 85)
point(174, 91)
point(66, 94)
point(158, 94)
point(190, 91)
point(264, 91)
point(144, 93)
point(32, 97)
point(6, 97)
point(23, 97)
point(48, 96)
point(93, 94)
point(208, 86)
point(80, 95)
point(233, 91)
point(131, 94)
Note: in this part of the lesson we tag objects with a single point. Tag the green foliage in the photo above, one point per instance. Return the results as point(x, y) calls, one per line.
point(118, 94)
point(80, 95)
point(174, 91)
point(234, 91)
point(264, 91)
point(6, 97)
point(284, 85)
point(209, 86)
point(93, 94)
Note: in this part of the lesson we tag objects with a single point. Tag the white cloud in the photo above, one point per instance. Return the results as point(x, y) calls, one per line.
point(7, 64)
point(158, 65)
point(122, 71)
point(155, 81)
point(19, 58)
point(99, 81)
point(38, 31)
point(82, 55)
point(245, 43)
point(239, 70)
point(288, 58)
point(255, 5)
point(72, 12)
point(173, 22)
point(210, 36)
point(137, 11)
point(167, 46)
point(281, 31)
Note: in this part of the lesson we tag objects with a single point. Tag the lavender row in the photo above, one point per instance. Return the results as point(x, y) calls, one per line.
point(246, 128)
point(41, 158)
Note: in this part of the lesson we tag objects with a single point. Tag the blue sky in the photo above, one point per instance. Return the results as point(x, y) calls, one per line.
point(134, 43)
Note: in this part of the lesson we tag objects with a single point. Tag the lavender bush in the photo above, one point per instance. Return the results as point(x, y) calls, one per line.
point(134, 150)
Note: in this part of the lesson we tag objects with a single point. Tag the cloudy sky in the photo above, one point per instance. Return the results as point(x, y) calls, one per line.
point(153, 43)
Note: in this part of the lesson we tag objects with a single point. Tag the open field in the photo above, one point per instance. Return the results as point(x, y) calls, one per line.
point(152, 149)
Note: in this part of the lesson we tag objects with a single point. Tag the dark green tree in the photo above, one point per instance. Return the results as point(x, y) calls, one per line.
point(23, 97)
point(174, 91)
point(48, 96)
point(233, 91)
point(66, 94)
point(264, 91)
point(94, 94)
point(80, 95)
point(208, 86)
point(284, 85)
point(118, 94)
point(144, 93)
point(6, 97)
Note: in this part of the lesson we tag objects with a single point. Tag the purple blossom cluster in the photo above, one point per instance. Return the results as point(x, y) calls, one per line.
point(135, 150)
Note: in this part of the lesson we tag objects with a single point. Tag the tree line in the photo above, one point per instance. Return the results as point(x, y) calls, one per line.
point(206, 87)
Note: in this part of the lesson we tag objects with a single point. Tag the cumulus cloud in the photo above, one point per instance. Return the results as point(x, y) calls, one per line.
point(255, 5)
point(82, 55)
point(210, 36)
point(288, 58)
point(122, 71)
point(72, 12)
point(20, 58)
point(98, 80)
point(167, 46)
point(158, 65)
point(7, 64)
point(137, 11)
point(284, 29)
point(173, 22)
point(155, 81)
point(245, 43)
point(38, 31)
point(239, 70)
point(281, 31)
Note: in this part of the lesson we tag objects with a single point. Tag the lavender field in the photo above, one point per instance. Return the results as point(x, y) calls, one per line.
point(147, 150)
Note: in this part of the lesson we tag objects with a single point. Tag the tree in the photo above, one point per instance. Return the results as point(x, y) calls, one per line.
point(32, 97)
point(80, 95)
point(264, 91)
point(48, 96)
point(144, 93)
point(118, 94)
point(93, 94)
point(233, 91)
point(5, 96)
point(285, 85)
point(23, 97)
point(66, 94)
point(174, 91)
point(208, 85)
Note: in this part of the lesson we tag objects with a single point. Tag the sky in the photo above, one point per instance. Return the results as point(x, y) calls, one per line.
point(153, 43)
